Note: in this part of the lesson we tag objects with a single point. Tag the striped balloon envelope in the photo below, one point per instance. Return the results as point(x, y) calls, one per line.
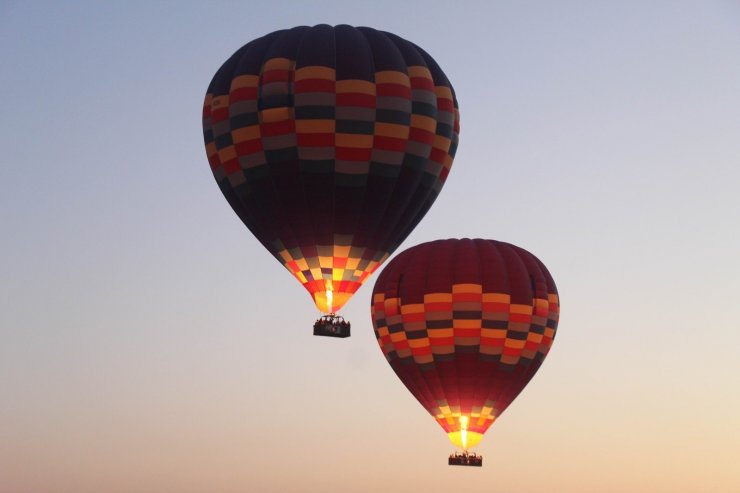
point(330, 144)
point(465, 324)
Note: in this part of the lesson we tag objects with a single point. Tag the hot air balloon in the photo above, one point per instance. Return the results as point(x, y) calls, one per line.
point(465, 324)
point(330, 144)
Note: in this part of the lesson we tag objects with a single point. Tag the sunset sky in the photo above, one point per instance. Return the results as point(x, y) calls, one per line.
point(148, 343)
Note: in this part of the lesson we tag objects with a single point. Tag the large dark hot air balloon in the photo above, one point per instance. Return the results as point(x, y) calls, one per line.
point(465, 324)
point(330, 144)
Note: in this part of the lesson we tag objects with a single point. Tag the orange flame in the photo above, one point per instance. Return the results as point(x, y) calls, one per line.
point(464, 431)
point(329, 296)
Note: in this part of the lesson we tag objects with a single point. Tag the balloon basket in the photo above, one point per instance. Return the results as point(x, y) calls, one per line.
point(465, 459)
point(331, 325)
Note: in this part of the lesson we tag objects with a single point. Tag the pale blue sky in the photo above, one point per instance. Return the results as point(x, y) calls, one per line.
point(150, 344)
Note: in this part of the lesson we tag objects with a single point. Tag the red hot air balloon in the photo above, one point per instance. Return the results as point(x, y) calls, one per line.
point(330, 144)
point(465, 324)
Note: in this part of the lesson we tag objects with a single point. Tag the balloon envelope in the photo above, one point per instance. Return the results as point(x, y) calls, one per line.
point(465, 324)
point(330, 144)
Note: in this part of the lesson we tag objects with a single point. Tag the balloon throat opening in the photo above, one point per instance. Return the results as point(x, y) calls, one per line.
point(328, 298)
point(465, 438)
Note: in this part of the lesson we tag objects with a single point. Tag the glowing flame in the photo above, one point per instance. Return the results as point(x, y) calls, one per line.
point(464, 438)
point(329, 297)
point(464, 431)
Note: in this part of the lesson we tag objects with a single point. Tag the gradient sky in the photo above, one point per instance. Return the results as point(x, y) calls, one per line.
point(149, 344)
